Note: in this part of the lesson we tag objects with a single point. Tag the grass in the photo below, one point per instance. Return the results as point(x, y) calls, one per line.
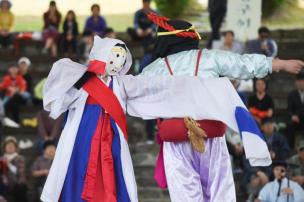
point(35, 23)
point(287, 17)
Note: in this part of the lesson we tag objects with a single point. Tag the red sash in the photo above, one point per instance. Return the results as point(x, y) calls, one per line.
point(106, 98)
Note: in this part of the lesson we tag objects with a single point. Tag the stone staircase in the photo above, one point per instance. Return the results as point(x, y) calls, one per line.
point(291, 45)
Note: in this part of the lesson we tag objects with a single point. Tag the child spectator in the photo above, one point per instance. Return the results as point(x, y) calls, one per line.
point(96, 23)
point(297, 165)
point(6, 23)
point(17, 188)
point(51, 35)
point(42, 165)
point(260, 104)
point(70, 33)
point(24, 64)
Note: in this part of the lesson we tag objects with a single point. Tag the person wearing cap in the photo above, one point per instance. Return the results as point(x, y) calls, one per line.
point(6, 23)
point(190, 175)
point(42, 165)
point(24, 64)
point(281, 189)
point(17, 189)
point(296, 110)
point(297, 165)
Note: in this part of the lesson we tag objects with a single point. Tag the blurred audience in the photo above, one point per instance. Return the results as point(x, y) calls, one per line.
point(96, 23)
point(24, 64)
point(110, 33)
point(144, 29)
point(6, 23)
point(229, 43)
point(42, 165)
point(38, 92)
point(296, 163)
point(70, 33)
point(14, 87)
point(260, 104)
point(50, 33)
point(281, 189)
point(217, 12)
point(16, 186)
point(277, 143)
point(296, 110)
point(263, 44)
point(48, 128)
point(85, 46)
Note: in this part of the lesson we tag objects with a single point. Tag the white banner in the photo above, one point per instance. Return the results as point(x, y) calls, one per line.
point(244, 18)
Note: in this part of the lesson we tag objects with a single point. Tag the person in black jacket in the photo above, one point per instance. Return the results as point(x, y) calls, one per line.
point(217, 12)
point(296, 109)
point(70, 33)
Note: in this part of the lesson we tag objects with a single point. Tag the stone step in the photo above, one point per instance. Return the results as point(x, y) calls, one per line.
point(152, 193)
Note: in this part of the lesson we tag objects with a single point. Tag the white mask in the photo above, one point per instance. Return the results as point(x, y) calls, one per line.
point(116, 60)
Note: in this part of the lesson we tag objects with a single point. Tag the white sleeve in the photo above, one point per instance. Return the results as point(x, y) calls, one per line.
point(264, 194)
point(180, 96)
point(233, 65)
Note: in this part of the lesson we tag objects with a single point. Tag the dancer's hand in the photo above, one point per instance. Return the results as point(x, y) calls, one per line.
point(290, 66)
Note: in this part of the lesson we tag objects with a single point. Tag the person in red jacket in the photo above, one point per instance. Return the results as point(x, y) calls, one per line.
point(14, 88)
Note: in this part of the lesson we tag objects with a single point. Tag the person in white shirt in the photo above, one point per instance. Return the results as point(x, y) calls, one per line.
point(281, 189)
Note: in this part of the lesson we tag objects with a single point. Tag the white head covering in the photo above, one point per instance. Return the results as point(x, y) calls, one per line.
point(102, 48)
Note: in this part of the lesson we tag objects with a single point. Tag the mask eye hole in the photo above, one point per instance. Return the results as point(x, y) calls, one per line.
point(111, 62)
point(117, 55)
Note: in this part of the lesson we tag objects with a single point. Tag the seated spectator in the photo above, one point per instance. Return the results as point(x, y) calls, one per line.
point(48, 128)
point(297, 165)
point(263, 44)
point(277, 143)
point(42, 165)
point(296, 110)
point(6, 23)
point(281, 189)
point(260, 104)
point(230, 44)
point(85, 46)
point(110, 33)
point(96, 23)
point(24, 64)
point(17, 189)
point(51, 35)
point(14, 87)
point(143, 28)
point(70, 33)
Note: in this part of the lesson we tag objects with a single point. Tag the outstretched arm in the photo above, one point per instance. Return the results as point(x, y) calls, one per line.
point(247, 66)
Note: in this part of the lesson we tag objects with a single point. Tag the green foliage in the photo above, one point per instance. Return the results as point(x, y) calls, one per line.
point(172, 8)
point(270, 6)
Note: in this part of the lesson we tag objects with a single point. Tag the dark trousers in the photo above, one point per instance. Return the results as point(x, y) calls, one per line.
point(145, 41)
point(216, 19)
point(291, 130)
point(12, 107)
point(5, 41)
point(69, 46)
point(150, 128)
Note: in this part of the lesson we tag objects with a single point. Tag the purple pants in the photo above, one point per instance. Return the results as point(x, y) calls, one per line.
point(199, 177)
